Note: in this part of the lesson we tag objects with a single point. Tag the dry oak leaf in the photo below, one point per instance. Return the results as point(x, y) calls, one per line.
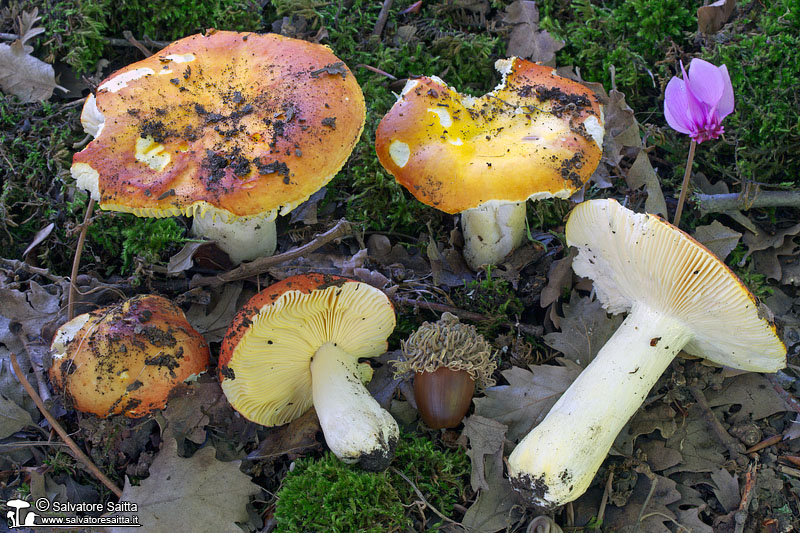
point(527, 40)
point(718, 238)
point(21, 74)
point(525, 401)
point(195, 494)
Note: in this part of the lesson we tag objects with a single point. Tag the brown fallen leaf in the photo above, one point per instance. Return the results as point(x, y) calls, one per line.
point(212, 320)
point(12, 417)
point(21, 74)
point(718, 238)
point(751, 393)
point(527, 40)
point(297, 437)
point(655, 514)
point(711, 18)
point(525, 401)
point(559, 276)
point(195, 494)
point(642, 173)
point(726, 489)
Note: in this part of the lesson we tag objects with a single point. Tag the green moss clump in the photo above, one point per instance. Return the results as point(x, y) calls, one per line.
point(493, 297)
point(327, 495)
point(173, 19)
point(763, 133)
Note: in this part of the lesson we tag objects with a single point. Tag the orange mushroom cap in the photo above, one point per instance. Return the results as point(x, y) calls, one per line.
point(128, 358)
point(241, 122)
point(536, 135)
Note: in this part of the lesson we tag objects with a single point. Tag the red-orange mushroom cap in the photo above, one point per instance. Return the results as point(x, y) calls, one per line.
point(536, 135)
point(298, 343)
point(224, 126)
point(127, 358)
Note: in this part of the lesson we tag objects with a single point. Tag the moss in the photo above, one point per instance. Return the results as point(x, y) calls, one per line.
point(327, 495)
point(173, 19)
point(493, 297)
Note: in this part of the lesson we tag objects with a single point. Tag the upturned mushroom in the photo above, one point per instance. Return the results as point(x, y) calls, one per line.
point(536, 135)
point(678, 296)
point(448, 359)
point(230, 128)
point(127, 358)
point(298, 343)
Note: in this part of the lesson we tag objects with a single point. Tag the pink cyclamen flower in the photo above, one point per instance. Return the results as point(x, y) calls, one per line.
point(696, 104)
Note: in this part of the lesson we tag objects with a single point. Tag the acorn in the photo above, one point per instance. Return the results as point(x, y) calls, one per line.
point(449, 360)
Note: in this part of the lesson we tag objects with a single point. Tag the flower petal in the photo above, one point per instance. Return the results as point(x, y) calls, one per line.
point(725, 106)
point(706, 82)
point(676, 107)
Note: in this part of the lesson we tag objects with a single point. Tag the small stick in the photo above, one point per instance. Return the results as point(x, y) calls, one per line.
point(259, 266)
point(749, 484)
point(685, 185)
point(711, 420)
point(76, 261)
point(382, 17)
point(421, 497)
point(131, 39)
point(377, 71)
point(36, 350)
point(718, 203)
point(788, 398)
point(775, 439)
point(604, 500)
point(110, 40)
point(653, 483)
point(82, 457)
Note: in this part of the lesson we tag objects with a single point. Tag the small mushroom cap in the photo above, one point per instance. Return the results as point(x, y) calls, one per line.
point(641, 259)
point(244, 123)
point(265, 359)
point(128, 358)
point(536, 135)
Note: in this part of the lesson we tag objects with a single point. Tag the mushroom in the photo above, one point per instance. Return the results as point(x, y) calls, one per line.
point(127, 358)
point(536, 135)
point(231, 128)
point(296, 344)
point(679, 296)
point(448, 359)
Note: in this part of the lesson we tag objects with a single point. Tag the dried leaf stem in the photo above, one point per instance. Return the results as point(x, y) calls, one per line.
point(82, 457)
point(76, 261)
point(259, 266)
point(382, 17)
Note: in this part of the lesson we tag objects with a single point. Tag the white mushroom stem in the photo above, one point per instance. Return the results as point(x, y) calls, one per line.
point(492, 231)
point(356, 427)
point(242, 238)
point(556, 462)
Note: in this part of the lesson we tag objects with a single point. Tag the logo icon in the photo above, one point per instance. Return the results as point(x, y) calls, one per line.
point(13, 516)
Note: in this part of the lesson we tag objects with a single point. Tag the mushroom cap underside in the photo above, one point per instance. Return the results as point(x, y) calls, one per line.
point(536, 135)
point(639, 258)
point(128, 358)
point(241, 122)
point(265, 360)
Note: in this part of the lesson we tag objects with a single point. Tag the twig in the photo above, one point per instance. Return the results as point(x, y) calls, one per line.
point(685, 185)
point(259, 266)
point(377, 71)
point(749, 484)
point(82, 457)
point(717, 203)
point(711, 420)
point(76, 261)
point(775, 439)
point(110, 40)
point(15, 264)
point(36, 351)
point(788, 398)
point(604, 500)
point(653, 483)
point(131, 39)
point(382, 17)
point(421, 497)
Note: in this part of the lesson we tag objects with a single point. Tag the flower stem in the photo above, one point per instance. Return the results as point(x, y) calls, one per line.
point(685, 185)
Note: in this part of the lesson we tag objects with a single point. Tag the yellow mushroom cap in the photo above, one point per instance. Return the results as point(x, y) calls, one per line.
point(128, 358)
point(240, 122)
point(536, 135)
point(641, 258)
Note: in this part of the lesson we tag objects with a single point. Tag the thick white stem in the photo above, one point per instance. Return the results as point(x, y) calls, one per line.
point(492, 231)
point(356, 427)
point(556, 462)
point(243, 238)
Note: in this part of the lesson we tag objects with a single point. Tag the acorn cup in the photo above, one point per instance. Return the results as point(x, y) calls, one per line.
point(450, 360)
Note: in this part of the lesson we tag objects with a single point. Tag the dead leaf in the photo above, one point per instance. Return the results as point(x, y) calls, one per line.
point(39, 238)
point(559, 276)
point(212, 321)
point(752, 394)
point(21, 74)
point(689, 518)
point(525, 401)
point(12, 417)
point(711, 18)
point(183, 260)
point(657, 512)
point(527, 40)
point(186, 412)
point(486, 438)
point(195, 494)
point(642, 173)
point(726, 489)
point(585, 328)
point(718, 238)
point(794, 430)
point(659, 457)
point(701, 451)
point(296, 437)
point(307, 211)
point(658, 417)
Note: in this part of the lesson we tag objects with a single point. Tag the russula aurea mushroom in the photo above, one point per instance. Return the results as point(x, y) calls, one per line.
point(296, 344)
point(678, 296)
point(231, 128)
point(448, 358)
point(127, 358)
point(536, 135)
